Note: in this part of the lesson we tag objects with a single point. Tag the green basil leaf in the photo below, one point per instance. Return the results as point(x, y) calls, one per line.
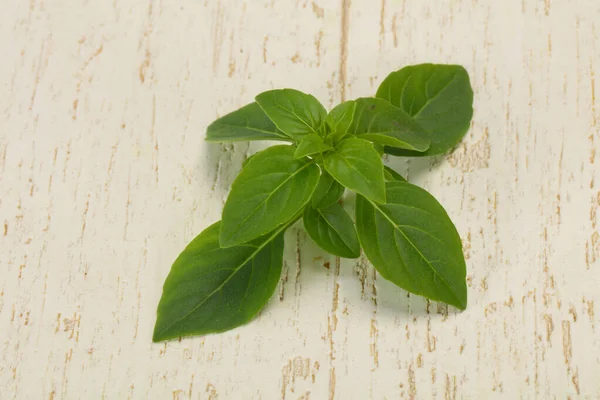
point(333, 230)
point(247, 160)
point(380, 122)
point(293, 112)
point(412, 242)
point(328, 191)
point(210, 289)
point(391, 175)
point(268, 192)
point(356, 165)
point(340, 119)
point(440, 99)
point(248, 123)
point(311, 144)
point(379, 149)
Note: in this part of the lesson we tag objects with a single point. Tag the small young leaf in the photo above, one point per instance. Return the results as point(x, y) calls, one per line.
point(356, 165)
point(440, 99)
point(268, 192)
point(293, 112)
point(380, 122)
point(339, 120)
point(328, 191)
point(311, 144)
point(248, 123)
point(391, 175)
point(210, 289)
point(333, 230)
point(412, 242)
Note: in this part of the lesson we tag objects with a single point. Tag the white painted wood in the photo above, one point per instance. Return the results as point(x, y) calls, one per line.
point(104, 177)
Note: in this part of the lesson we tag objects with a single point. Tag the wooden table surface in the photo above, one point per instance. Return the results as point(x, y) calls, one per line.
point(105, 177)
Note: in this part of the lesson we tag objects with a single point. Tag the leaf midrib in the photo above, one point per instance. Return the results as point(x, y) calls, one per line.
point(397, 227)
point(380, 251)
point(269, 196)
point(405, 137)
point(293, 112)
point(408, 145)
point(432, 99)
point(235, 271)
point(335, 231)
point(345, 160)
point(253, 129)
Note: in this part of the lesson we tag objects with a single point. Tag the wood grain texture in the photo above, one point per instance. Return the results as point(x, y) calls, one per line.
point(105, 177)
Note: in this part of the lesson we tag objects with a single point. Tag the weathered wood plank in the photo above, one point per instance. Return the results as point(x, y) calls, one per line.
point(104, 177)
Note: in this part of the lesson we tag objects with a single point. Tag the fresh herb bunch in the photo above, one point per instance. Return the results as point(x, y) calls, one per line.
point(226, 275)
